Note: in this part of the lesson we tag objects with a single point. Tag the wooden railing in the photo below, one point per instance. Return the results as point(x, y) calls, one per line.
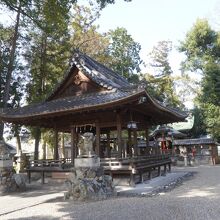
point(49, 165)
point(136, 166)
point(61, 163)
point(132, 167)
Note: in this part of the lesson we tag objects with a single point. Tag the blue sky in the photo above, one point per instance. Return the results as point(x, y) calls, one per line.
point(150, 21)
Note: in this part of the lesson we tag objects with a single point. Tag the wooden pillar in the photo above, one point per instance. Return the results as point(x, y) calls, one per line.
point(97, 140)
point(159, 171)
point(73, 144)
point(165, 169)
point(119, 134)
point(124, 153)
point(62, 146)
point(135, 143)
point(29, 176)
point(77, 144)
point(108, 145)
point(147, 141)
point(42, 177)
point(169, 167)
point(129, 143)
point(56, 153)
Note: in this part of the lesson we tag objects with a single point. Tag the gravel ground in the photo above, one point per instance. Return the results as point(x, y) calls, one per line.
point(196, 198)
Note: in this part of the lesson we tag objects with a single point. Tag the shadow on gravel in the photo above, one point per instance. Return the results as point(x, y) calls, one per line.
point(35, 190)
point(39, 217)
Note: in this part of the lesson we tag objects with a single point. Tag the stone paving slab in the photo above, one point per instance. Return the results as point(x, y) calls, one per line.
point(151, 186)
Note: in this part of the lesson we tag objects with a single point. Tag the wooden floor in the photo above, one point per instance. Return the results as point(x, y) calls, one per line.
point(133, 168)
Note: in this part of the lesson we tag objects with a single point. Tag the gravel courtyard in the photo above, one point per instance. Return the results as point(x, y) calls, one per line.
point(196, 198)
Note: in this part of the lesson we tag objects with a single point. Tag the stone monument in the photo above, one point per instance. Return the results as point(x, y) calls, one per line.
point(87, 180)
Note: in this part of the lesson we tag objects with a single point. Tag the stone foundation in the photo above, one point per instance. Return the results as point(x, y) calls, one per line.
point(86, 183)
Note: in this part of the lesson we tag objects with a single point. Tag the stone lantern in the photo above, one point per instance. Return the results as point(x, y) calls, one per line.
point(9, 181)
point(6, 162)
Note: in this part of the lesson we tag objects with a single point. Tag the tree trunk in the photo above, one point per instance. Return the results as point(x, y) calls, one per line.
point(1, 130)
point(10, 67)
point(18, 139)
point(37, 141)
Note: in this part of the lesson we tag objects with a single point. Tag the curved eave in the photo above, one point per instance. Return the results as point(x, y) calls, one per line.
point(110, 104)
point(181, 116)
point(49, 111)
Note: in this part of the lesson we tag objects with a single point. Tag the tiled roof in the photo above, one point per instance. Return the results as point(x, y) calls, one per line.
point(73, 103)
point(97, 72)
point(116, 87)
point(196, 141)
point(167, 131)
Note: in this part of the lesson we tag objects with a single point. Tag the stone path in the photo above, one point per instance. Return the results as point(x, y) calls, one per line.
point(34, 196)
point(154, 186)
point(196, 198)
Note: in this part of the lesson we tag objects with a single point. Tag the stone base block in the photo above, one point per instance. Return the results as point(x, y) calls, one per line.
point(87, 162)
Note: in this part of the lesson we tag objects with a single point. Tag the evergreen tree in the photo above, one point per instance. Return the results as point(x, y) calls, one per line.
point(46, 53)
point(124, 53)
point(202, 49)
point(84, 34)
point(161, 82)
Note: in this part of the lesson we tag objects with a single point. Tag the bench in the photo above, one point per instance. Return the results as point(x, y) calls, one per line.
point(136, 167)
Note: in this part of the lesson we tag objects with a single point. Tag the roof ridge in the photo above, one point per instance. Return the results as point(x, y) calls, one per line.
point(101, 74)
point(108, 69)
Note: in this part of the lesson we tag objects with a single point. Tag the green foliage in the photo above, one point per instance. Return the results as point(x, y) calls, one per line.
point(199, 45)
point(47, 60)
point(212, 119)
point(199, 127)
point(202, 50)
point(84, 34)
point(186, 87)
point(103, 3)
point(5, 45)
point(160, 58)
point(117, 49)
point(124, 53)
point(211, 83)
point(161, 83)
point(16, 84)
point(47, 50)
point(49, 137)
